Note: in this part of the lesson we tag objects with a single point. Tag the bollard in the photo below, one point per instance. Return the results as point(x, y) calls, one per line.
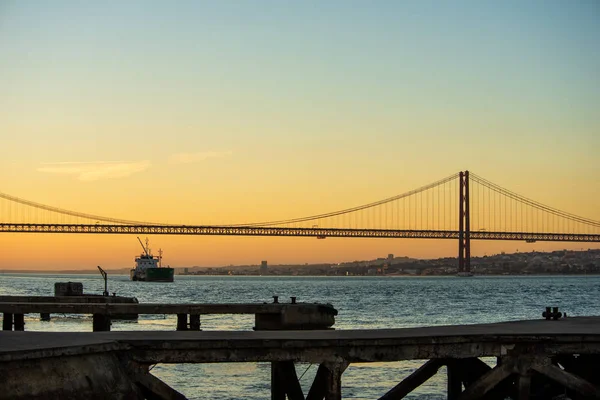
point(546, 314)
point(275, 299)
point(554, 314)
point(293, 299)
point(44, 316)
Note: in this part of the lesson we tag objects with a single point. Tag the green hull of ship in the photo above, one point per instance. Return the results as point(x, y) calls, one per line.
point(159, 275)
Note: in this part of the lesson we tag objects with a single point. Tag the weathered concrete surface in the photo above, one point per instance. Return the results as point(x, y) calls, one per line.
point(84, 298)
point(88, 376)
point(94, 362)
point(568, 336)
point(297, 317)
point(159, 308)
point(274, 316)
point(36, 345)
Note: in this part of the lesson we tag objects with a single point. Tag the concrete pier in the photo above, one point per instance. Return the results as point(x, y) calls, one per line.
point(538, 359)
point(268, 316)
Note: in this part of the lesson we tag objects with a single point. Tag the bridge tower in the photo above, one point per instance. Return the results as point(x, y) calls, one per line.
point(464, 227)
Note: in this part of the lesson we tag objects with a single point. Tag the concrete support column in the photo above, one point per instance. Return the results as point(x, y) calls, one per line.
point(7, 322)
point(194, 322)
point(454, 384)
point(333, 389)
point(277, 383)
point(524, 386)
point(182, 322)
point(101, 323)
point(284, 381)
point(19, 320)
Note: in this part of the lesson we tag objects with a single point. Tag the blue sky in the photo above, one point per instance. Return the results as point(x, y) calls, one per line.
point(353, 101)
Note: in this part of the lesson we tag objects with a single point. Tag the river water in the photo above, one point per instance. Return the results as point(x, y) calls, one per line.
point(362, 302)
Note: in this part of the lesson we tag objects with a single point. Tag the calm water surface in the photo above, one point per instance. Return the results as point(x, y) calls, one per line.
point(362, 302)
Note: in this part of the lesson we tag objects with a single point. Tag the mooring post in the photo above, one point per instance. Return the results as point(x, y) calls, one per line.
point(44, 316)
point(182, 322)
point(101, 323)
point(19, 322)
point(7, 322)
point(194, 322)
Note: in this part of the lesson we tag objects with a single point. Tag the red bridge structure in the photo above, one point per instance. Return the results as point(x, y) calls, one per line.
point(462, 206)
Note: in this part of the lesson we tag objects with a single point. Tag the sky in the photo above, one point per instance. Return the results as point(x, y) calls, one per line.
point(212, 112)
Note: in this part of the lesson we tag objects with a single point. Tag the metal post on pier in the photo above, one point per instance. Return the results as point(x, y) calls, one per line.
point(104, 275)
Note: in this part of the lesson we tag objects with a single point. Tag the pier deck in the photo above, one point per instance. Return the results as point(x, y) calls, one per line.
point(268, 315)
point(564, 352)
point(578, 333)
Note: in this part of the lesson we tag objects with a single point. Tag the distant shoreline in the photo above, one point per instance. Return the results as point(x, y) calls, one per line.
point(32, 272)
point(555, 263)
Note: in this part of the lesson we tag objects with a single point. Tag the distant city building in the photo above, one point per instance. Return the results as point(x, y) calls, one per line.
point(185, 271)
point(264, 269)
point(390, 256)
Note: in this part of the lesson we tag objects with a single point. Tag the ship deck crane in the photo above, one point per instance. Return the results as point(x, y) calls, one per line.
point(146, 249)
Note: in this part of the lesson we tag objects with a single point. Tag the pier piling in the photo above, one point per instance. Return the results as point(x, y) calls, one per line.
point(182, 322)
point(19, 322)
point(101, 323)
point(194, 322)
point(7, 322)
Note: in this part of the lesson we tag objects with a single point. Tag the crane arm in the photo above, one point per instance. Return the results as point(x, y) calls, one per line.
point(143, 247)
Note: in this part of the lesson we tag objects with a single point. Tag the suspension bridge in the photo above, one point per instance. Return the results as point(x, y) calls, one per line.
point(462, 206)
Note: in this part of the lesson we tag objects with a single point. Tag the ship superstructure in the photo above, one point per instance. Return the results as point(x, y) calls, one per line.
point(149, 268)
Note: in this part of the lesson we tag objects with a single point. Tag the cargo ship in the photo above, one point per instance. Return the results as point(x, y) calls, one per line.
point(148, 268)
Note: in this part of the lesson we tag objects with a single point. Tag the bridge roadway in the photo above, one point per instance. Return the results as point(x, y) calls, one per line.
point(233, 230)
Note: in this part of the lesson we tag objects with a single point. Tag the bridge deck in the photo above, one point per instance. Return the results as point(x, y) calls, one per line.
point(574, 335)
point(294, 232)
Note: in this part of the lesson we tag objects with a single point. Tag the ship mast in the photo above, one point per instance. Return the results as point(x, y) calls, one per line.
point(146, 248)
point(160, 258)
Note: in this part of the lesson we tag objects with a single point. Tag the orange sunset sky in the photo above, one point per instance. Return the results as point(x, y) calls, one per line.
point(217, 112)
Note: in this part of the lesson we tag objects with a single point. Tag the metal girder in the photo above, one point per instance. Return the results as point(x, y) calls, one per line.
point(286, 231)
